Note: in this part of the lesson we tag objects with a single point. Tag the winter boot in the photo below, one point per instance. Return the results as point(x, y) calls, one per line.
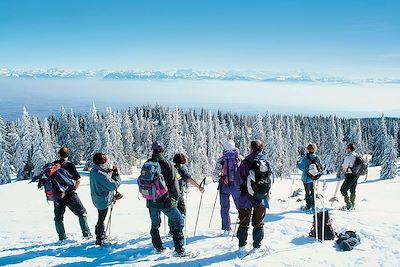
point(348, 203)
point(84, 227)
point(60, 230)
point(353, 200)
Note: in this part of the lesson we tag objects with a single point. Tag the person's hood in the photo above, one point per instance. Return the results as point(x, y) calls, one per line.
point(229, 145)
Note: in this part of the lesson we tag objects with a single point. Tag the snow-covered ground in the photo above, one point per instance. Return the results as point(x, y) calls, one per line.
point(28, 237)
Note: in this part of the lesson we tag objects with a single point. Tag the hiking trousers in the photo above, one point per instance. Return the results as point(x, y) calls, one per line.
point(178, 224)
point(309, 192)
point(182, 209)
point(349, 184)
point(73, 202)
point(256, 215)
point(99, 229)
point(227, 190)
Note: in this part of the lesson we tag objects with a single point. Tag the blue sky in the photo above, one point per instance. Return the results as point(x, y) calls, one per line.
point(353, 38)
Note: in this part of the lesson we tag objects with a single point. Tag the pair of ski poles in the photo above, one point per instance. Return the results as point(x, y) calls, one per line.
point(316, 212)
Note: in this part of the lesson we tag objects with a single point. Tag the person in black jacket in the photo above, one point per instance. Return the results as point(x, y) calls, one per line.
point(70, 200)
point(166, 204)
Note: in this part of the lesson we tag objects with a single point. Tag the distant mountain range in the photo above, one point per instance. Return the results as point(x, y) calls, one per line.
point(186, 74)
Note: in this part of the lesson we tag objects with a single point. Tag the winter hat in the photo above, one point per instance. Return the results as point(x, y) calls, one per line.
point(157, 146)
point(229, 145)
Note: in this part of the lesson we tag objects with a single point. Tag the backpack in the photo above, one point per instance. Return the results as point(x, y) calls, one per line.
point(314, 171)
point(229, 163)
point(348, 240)
point(56, 181)
point(359, 167)
point(259, 179)
point(151, 182)
point(329, 233)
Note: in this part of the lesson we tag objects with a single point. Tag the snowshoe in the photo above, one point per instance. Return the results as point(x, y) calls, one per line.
point(160, 250)
point(242, 253)
point(256, 253)
point(226, 233)
point(186, 254)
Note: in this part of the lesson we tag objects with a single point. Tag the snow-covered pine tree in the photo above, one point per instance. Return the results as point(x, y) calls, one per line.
point(128, 140)
point(75, 139)
point(63, 128)
point(174, 141)
point(355, 136)
point(270, 146)
point(379, 142)
point(23, 147)
point(38, 159)
point(330, 155)
point(388, 170)
point(48, 149)
point(92, 138)
point(5, 162)
point(257, 129)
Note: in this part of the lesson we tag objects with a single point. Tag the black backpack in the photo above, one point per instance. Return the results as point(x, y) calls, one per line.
point(259, 179)
point(348, 240)
point(360, 166)
point(328, 230)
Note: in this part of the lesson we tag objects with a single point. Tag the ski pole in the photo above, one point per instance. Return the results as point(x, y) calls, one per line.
point(165, 225)
point(198, 211)
point(334, 198)
point(234, 229)
point(291, 190)
point(315, 212)
point(185, 223)
point(108, 227)
point(212, 212)
point(323, 211)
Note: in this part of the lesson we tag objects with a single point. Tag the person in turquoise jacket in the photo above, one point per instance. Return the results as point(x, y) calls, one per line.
point(103, 188)
point(303, 164)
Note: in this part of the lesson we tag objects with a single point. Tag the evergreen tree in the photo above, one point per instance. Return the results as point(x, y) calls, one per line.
point(92, 141)
point(379, 143)
point(38, 158)
point(257, 129)
point(5, 157)
point(47, 146)
point(127, 139)
point(63, 129)
point(388, 170)
point(23, 149)
point(74, 139)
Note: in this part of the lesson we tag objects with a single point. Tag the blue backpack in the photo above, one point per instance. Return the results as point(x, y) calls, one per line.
point(151, 182)
point(56, 181)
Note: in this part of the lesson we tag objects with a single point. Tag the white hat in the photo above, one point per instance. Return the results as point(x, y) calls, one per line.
point(229, 145)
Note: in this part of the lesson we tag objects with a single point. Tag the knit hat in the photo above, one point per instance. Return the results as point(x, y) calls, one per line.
point(157, 146)
point(229, 145)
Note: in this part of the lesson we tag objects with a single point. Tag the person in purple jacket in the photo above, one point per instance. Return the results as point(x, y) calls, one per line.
point(249, 206)
point(224, 173)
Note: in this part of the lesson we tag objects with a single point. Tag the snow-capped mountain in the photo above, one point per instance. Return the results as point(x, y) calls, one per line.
point(188, 74)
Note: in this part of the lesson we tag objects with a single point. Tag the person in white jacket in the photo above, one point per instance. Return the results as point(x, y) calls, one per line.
point(350, 181)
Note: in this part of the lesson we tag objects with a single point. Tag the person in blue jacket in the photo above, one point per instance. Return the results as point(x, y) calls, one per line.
point(103, 189)
point(304, 165)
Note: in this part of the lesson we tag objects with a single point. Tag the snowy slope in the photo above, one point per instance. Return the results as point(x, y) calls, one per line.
point(28, 238)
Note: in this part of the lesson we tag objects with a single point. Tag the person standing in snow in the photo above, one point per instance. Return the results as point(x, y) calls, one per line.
point(226, 168)
point(350, 181)
point(103, 188)
point(183, 176)
point(70, 200)
point(304, 165)
point(166, 204)
point(250, 207)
